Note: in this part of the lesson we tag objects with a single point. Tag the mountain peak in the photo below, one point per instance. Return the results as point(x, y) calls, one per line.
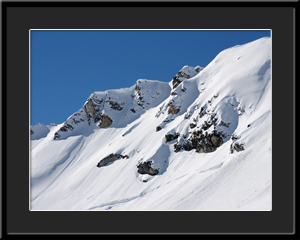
point(186, 72)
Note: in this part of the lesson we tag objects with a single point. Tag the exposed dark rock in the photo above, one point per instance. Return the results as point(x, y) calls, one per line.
point(56, 136)
point(206, 125)
point(236, 147)
point(140, 99)
point(137, 88)
point(222, 123)
point(216, 140)
point(202, 143)
point(171, 137)
point(183, 89)
point(193, 125)
point(110, 158)
point(158, 128)
point(249, 125)
point(91, 111)
point(202, 112)
point(182, 74)
point(172, 109)
point(31, 132)
point(174, 93)
point(177, 147)
point(98, 101)
point(116, 106)
point(234, 136)
point(175, 82)
point(66, 127)
point(133, 110)
point(146, 168)
point(77, 121)
point(105, 121)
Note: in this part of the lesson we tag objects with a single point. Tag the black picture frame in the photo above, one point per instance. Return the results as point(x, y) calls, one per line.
point(19, 17)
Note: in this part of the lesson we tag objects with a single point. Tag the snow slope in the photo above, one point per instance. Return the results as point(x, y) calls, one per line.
point(187, 131)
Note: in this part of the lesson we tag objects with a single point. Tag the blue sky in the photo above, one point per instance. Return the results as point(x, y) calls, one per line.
point(66, 66)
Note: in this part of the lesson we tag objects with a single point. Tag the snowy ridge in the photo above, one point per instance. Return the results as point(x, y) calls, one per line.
point(200, 142)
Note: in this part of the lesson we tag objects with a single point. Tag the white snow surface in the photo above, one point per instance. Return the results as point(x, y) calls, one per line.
point(235, 87)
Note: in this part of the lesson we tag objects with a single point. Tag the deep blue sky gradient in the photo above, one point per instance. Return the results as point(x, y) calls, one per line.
point(69, 65)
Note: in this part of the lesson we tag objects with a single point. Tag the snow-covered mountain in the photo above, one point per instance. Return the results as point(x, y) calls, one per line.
point(200, 142)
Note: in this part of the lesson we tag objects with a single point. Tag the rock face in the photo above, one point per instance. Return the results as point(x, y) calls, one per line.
point(171, 137)
point(172, 109)
point(90, 110)
point(105, 121)
point(176, 79)
point(106, 108)
point(236, 147)
point(202, 143)
point(185, 73)
point(146, 168)
point(110, 158)
point(116, 106)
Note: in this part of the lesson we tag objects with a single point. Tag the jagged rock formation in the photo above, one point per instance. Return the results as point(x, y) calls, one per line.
point(105, 121)
point(172, 109)
point(90, 110)
point(171, 137)
point(185, 73)
point(202, 143)
point(103, 108)
point(112, 157)
point(146, 168)
point(236, 147)
point(158, 128)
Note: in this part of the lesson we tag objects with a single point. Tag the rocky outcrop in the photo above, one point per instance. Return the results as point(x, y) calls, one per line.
point(91, 111)
point(222, 123)
point(67, 127)
point(139, 98)
point(146, 168)
point(203, 143)
point(158, 128)
point(105, 121)
point(171, 137)
point(175, 82)
point(31, 132)
point(236, 147)
point(172, 109)
point(110, 158)
point(176, 79)
point(116, 106)
point(198, 69)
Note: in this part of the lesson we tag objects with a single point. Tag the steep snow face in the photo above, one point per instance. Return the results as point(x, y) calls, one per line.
point(200, 142)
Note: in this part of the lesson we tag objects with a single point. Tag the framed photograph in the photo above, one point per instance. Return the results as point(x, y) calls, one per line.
point(149, 119)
